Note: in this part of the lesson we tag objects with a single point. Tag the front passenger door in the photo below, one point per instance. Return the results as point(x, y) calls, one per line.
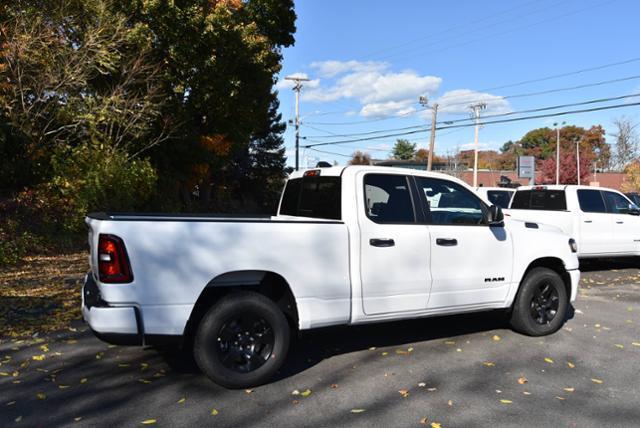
point(471, 262)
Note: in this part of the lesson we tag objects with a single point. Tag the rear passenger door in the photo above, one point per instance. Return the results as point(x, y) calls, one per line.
point(394, 248)
point(596, 225)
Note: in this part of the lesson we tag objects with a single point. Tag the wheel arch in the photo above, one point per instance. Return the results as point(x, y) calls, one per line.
point(270, 284)
point(555, 264)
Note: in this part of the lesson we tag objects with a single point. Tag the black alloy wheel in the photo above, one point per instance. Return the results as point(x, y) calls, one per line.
point(245, 342)
point(544, 303)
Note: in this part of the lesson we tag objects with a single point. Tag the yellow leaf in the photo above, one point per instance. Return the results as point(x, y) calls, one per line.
point(598, 381)
point(41, 396)
point(214, 412)
point(436, 425)
point(635, 343)
point(145, 381)
point(522, 380)
point(123, 365)
point(619, 346)
point(148, 422)
point(570, 364)
point(506, 401)
point(404, 393)
point(384, 354)
point(182, 400)
point(489, 364)
point(548, 360)
point(357, 410)
point(560, 398)
point(38, 357)
point(306, 393)
point(450, 342)
point(4, 374)
point(496, 337)
point(569, 389)
point(83, 380)
point(63, 386)
point(450, 403)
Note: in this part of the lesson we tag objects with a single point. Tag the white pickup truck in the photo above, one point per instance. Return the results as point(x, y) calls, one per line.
point(604, 222)
point(349, 245)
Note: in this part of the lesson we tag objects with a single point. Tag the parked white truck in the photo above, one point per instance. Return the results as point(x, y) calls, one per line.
point(604, 222)
point(349, 245)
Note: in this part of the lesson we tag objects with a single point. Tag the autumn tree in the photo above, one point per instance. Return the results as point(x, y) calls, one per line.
point(360, 158)
point(568, 169)
point(403, 150)
point(631, 181)
point(626, 149)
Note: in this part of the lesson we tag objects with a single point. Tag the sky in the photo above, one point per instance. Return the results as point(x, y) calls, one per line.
point(369, 61)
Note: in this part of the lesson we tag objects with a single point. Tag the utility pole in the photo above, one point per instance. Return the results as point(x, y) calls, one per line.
point(297, 87)
point(432, 139)
point(476, 108)
point(558, 152)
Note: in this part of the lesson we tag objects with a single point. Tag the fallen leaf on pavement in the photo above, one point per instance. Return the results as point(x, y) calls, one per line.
point(522, 380)
point(38, 357)
point(148, 422)
point(598, 381)
point(422, 384)
point(214, 412)
point(182, 400)
point(489, 364)
point(404, 393)
point(41, 396)
point(506, 401)
point(548, 360)
point(334, 386)
point(569, 389)
point(83, 380)
point(306, 393)
point(357, 410)
point(496, 337)
point(570, 364)
point(436, 425)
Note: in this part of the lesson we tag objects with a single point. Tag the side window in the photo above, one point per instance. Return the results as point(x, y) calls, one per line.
point(616, 203)
point(591, 201)
point(500, 198)
point(387, 198)
point(450, 203)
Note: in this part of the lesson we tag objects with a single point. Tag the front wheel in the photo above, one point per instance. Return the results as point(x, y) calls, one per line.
point(541, 305)
point(242, 340)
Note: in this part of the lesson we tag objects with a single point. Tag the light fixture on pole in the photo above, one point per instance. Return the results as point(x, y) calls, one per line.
point(297, 87)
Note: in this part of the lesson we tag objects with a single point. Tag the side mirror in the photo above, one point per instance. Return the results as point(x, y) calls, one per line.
point(634, 209)
point(495, 217)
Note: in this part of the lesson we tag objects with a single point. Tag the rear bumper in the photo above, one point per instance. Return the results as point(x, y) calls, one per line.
point(119, 325)
point(575, 281)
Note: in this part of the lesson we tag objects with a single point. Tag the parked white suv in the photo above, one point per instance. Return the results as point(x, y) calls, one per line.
point(349, 245)
point(604, 222)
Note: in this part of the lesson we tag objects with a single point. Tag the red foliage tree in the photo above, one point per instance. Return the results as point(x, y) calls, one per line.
point(568, 169)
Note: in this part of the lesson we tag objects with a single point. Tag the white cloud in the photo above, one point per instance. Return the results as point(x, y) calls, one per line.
point(459, 100)
point(389, 108)
point(288, 84)
point(332, 68)
point(380, 91)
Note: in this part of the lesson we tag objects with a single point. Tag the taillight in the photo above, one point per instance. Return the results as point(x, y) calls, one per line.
point(113, 263)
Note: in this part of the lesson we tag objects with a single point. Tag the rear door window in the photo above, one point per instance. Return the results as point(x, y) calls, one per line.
point(547, 200)
point(591, 201)
point(388, 199)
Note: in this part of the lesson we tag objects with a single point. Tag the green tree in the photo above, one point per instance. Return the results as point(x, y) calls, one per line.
point(403, 150)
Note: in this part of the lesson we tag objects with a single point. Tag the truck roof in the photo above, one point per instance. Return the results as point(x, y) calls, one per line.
point(340, 170)
point(562, 187)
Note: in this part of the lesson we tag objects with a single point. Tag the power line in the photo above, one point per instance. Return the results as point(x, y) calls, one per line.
point(447, 122)
point(540, 116)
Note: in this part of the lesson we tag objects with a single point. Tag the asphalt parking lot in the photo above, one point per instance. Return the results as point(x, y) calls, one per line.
point(460, 371)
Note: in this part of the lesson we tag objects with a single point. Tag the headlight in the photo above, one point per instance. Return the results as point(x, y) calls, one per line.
point(573, 245)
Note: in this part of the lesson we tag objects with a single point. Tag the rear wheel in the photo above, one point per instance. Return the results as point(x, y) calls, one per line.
point(541, 305)
point(242, 340)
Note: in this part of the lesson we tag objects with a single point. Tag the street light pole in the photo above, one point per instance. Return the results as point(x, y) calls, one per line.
point(558, 152)
point(476, 115)
point(578, 158)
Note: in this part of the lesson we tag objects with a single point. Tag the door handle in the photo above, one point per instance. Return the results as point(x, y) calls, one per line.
point(377, 242)
point(588, 221)
point(619, 222)
point(446, 242)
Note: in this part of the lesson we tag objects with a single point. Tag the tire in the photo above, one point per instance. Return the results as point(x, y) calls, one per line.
point(242, 340)
point(541, 304)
